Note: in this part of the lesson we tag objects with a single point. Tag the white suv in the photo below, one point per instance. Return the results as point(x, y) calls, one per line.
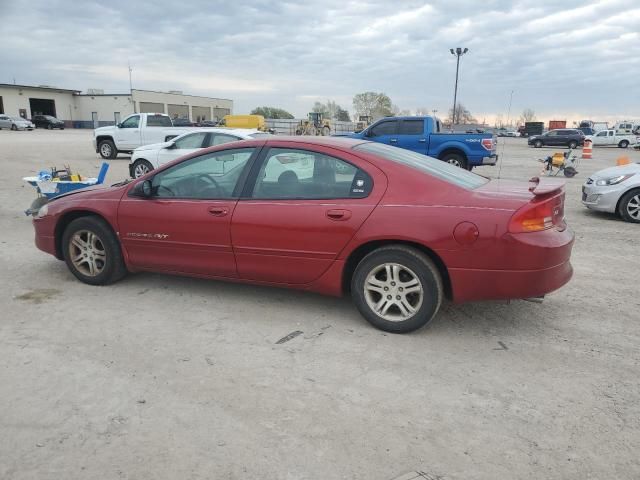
point(149, 157)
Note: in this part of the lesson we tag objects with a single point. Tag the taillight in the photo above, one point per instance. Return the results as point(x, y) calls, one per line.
point(537, 216)
point(487, 143)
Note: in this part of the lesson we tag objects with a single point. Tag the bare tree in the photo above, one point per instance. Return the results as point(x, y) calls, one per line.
point(422, 111)
point(462, 115)
point(528, 115)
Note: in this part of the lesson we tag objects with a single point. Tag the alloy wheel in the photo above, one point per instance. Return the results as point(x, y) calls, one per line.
point(105, 150)
point(393, 291)
point(140, 169)
point(87, 253)
point(633, 207)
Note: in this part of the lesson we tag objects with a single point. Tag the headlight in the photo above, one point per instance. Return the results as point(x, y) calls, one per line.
point(43, 211)
point(613, 180)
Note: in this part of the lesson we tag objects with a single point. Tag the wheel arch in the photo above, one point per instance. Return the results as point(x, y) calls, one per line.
point(453, 150)
point(69, 217)
point(363, 250)
point(637, 187)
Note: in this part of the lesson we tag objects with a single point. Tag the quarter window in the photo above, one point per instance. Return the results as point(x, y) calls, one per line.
point(302, 174)
point(131, 122)
point(193, 140)
point(211, 176)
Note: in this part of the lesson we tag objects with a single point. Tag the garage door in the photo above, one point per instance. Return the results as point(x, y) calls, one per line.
point(149, 107)
point(219, 113)
point(178, 111)
point(201, 113)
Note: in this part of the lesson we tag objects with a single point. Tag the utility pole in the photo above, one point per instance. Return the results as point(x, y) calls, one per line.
point(131, 88)
point(458, 52)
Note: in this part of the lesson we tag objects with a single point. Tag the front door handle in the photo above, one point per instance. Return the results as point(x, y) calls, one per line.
point(393, 140)
point(218, 211)
point(423, 140)
point(338, 214)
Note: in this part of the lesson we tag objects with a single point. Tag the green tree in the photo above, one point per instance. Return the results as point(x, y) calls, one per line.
point(342, 115)
point(331, 110)
point(376, 105)
point(271, 112)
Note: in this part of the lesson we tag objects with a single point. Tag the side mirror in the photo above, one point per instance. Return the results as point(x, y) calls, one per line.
point(367, 133)
point(171, 145)
point(119, 125)
point(143, 189)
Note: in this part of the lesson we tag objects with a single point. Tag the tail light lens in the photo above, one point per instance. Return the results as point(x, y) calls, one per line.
point(487, 143)
point(538, 215)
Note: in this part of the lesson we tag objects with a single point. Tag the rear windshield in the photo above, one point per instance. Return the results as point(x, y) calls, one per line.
point(430, 166)
point(158, 121)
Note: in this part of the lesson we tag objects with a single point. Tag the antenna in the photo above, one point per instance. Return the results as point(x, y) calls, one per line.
point(508, 123)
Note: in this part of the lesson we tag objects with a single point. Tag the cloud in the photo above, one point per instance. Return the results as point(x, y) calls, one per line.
point(575, 56)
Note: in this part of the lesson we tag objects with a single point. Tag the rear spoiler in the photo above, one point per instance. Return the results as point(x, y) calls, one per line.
point(545, 186)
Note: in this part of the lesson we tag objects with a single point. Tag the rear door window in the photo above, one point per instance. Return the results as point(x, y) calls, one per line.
point(221, 138)
point(302, 174)
point(411, 127)
point(193, 140)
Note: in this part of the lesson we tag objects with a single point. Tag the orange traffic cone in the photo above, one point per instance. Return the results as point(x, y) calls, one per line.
point(624, 160)
point(587, 149)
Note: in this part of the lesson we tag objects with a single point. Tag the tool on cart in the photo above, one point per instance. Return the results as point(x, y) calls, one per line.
point(560, 162)
point(53, 182)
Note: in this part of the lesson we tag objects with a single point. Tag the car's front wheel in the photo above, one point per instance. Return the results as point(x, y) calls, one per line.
point(92, 251)
point(107, 149)
point(397, 289)
point(629, 207)
point(141, 167)
point(14, 127)
point(537, 143)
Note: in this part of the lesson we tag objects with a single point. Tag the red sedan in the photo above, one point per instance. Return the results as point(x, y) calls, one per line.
point(397, 230)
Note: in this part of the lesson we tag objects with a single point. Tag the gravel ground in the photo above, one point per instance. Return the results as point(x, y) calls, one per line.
point(161, 377)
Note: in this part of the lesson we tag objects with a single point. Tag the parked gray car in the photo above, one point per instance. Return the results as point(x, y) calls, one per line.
point(15, 123)
point(615, 190)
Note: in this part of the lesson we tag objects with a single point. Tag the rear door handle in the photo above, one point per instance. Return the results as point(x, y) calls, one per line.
point(338, 214)
point(218, 211)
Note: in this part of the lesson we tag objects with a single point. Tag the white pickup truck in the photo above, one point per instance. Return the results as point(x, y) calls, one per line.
point(135, 131)
point(609, 137)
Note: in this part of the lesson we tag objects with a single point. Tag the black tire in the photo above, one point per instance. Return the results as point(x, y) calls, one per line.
point(13, 127)
point(113, 267)
point(569, 172)
point(140, 165)
point(623, 144)
point(107, 149)
point(633, 197)
point(326, 131)
point(456, 159)
point(537, 143)
point(49, 127)
point(573, 144)
point(61, 128)
point(414, 262)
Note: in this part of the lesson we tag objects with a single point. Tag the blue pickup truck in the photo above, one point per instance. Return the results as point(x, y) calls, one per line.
point(423, 135)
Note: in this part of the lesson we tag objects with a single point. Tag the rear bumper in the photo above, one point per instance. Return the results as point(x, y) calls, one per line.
point(537, 263)
point(490, 160)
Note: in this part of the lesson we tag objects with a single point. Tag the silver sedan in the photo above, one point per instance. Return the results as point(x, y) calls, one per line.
point(615, 190)
point(15, 123)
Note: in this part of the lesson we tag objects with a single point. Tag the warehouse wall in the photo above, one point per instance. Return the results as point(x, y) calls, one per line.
point(14, 99)
point(105, 105)
point(177, 103)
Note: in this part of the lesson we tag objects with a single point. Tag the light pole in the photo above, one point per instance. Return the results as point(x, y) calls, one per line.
point(458, 52)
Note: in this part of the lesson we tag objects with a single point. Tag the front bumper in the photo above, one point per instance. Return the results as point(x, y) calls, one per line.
point(45, 234)
point(601, 199)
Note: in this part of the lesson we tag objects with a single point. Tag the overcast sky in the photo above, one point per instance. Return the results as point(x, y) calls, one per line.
point(564, 59)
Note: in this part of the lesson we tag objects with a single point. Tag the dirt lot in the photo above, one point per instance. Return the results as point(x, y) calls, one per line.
point(161, 377)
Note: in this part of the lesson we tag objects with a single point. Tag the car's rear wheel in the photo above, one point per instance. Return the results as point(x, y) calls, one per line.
point(623, 144)
point(107, 149)
point(92, 251)
point(573, 144)
point(141, 167)
point(397, 289)
point(629, 207)
point(537, 143)
point(456, 160)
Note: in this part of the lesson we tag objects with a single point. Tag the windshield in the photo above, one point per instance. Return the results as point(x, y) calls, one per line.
point(424, 164)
